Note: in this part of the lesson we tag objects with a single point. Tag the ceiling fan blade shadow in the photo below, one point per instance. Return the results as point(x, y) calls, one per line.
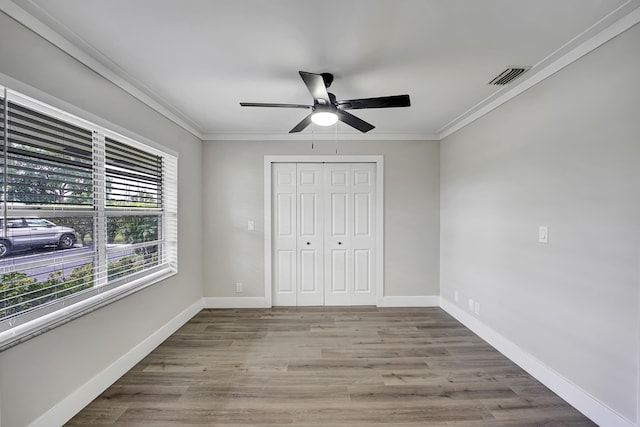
point(315, 84)
point(303, 124)
point(354, 121)
point(378, 102)
point(268, 104)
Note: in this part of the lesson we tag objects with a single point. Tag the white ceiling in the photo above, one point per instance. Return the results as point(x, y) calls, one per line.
point(195, 60)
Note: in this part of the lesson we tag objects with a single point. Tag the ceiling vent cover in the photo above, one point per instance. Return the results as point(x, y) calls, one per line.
point(509, 75)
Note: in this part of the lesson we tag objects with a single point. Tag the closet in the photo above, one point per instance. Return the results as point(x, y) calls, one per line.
point(324, 234)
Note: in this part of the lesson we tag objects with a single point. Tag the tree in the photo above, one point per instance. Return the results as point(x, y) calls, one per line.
point(33, 177)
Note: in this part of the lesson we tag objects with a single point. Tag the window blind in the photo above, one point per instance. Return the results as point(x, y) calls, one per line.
point(49, 161)
point(134, 177)
point(2, 143)
point(88, 216)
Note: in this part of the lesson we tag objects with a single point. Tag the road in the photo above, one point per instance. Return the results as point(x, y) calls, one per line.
point(54, 255)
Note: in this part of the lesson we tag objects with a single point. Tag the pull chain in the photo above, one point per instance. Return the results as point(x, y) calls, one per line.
point(336, 137)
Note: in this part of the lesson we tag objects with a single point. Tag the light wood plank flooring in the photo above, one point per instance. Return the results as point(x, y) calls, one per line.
point(327, 366)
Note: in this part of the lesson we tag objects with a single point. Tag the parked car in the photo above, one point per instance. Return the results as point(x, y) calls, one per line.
point(32, 233)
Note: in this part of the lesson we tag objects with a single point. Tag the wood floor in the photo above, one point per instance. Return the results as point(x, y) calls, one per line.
point(348, 367)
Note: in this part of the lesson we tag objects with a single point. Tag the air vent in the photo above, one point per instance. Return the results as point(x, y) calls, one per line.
point(508, 75)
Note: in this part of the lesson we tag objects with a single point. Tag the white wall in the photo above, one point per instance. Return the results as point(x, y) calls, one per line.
point(566, 154)
point(233, 254)
point(40, 373)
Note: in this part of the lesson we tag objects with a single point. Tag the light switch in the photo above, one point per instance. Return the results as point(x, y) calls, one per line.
point(543, 234)
point(251, 225)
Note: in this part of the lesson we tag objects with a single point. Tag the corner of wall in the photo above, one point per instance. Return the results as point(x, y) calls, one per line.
point(574, 395)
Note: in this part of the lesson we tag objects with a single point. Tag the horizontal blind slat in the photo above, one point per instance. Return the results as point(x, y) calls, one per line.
point(133, 176)
point(49, 160)
point(46, 120)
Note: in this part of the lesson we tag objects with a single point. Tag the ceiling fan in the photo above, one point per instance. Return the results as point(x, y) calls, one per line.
point(327, 110)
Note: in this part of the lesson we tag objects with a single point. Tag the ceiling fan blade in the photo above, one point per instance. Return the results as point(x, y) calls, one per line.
point(267, 104)
point(379, 102)
point(315, 84)
point(354, 121)
point(303, 124)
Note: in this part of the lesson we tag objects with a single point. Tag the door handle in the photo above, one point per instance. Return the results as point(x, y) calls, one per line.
point(308, 243)
point(339, 243)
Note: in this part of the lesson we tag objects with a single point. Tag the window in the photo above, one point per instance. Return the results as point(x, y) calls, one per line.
point(87, 216)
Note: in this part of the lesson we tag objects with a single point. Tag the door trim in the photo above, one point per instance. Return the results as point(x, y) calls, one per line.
point(378, 160)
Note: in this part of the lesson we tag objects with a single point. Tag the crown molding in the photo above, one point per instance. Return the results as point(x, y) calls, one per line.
point(306, 136)
point(612, 25)
point(41, 23)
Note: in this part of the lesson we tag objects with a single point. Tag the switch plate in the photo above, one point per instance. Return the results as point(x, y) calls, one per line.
point(476, 308)
point(471, 305)
point(543, 234)
point(456, 295)
point(239, 288)
point(251, 225)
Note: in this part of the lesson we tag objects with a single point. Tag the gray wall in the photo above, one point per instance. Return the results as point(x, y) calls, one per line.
point(233, 254)
point(565, 154)
point(36, 375)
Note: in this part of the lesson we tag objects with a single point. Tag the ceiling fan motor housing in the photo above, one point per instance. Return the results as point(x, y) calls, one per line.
point(327, 110)
point(324, 108)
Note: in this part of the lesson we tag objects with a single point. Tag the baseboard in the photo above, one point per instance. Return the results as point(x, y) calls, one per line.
point(409, 301)
point(595, 410)
point(259, 302)
point(234, 302)
point(73, 403)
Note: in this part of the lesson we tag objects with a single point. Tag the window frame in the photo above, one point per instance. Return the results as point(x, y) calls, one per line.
point(35, 321)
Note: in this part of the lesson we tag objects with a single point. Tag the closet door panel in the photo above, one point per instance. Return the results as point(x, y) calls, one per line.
point(310, 232)
point(363, 239)
point(284, 242)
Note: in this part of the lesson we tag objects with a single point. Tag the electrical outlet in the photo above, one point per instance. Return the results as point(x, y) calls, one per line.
point(456, 295)
point(239, 288)
point(476, 308)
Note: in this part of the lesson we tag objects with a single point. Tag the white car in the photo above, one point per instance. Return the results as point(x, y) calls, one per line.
point(31, 233)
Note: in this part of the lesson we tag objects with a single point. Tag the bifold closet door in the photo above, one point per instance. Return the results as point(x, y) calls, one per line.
point(310, 244)
point(285, 238)
point(298, 247)
point(349, 233)
point(323, 234)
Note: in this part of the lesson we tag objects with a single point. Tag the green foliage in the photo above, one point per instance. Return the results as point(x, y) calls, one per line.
point(131, 204)
point(15, 291)
point(124, 266)
point(19, 292)
point(132, 229)
point(46, 182)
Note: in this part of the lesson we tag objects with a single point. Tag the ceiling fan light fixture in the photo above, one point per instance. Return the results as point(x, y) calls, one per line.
point(324, 118)
point(327, 110)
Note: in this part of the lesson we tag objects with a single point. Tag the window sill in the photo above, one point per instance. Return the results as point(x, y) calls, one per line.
point(40, 325)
